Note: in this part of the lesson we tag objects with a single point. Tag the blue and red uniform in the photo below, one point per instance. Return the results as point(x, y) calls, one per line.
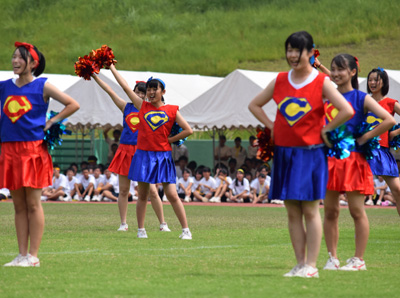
point(127, 147)
point(152, 162)
point(352, 173)
point(24, 159)
point(384, 163)
point(300, 164)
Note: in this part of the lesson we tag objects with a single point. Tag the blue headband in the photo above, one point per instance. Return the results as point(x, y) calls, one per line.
point(380, 69)
point(161, 81)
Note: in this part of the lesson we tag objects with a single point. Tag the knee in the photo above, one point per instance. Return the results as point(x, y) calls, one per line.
point(331, 213)
point(123, 192)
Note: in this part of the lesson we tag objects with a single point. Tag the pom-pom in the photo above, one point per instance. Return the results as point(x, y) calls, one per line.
point(174, 131)
point(369, 148)
point(342, 142)
point(85, 67)
point(104, 56)
point(53, 135)
point(395, 143)
point(265, 144)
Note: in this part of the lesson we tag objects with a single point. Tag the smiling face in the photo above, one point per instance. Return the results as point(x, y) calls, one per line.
point(341, 75)
point(297, 61)
point(20, 66)
point(375, 83)
point(154, 95)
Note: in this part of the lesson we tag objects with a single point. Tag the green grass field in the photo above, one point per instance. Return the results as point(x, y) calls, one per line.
point(235, 252)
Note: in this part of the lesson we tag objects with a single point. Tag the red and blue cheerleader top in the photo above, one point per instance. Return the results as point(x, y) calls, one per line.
point(155, 126)
point(356, 99)
point(130, 129)
point(388, 104)
point(23, 113)
point(301, 114)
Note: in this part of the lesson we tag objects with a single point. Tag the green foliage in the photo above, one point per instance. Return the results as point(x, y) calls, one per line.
point(189, 36)
point(235, 252)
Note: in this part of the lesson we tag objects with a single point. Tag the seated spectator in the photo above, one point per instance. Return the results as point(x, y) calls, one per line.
point(4, 194)
point(223, 181)
point(239, 190)
point(380, 187)
point(260, 189)
point(196, 182)
point(99, 183)
point(192, 165)
point(59, 188)
point(84, 189)
point(110, 187)
point(110, 142)
point(232, 168)
point(71, 182)
point(178, 151)
point(222, 153)
point(114, 148)
point(238, 152)
point(343, 199)
point(133, 192)
point(83, 165)
point(185, 186)
point(92, 161)
point(74, 167)
point(181, 166)
point(207, 187)
point(252, 148)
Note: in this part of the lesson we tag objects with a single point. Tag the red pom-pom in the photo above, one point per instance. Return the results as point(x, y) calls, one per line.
point(316, 53)
point(85, 67)
point(265, 144)
point(104, 56)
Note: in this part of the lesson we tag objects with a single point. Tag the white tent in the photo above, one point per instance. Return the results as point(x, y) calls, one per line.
point(225, 104)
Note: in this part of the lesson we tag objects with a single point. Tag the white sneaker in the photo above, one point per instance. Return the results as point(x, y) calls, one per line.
point(332, 263)
point(87, 199)
point(343, 203)
point(164, 198)
point(215, 200)
point(16, 262)
point(186, 235)
point(123, 228)
point(76, 198)
point(94, 199)
point(354, 264)
point(369, 203)
point(43, 198)
point(294, 270)
point(307, 272)
point(378, 203)
point(105, 199)
point(141, 233)
point(31, 261)
point(164, 227)
point(67, 198)
point(187, 199)
point(134, 198)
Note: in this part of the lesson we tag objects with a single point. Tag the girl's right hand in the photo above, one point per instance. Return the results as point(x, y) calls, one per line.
point(325, 138)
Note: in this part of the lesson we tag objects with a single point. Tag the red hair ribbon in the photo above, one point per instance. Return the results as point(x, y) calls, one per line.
point(137, 82)
point(30, 49)
point(358, 64)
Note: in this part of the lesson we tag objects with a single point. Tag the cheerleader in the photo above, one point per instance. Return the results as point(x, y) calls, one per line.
point(123, 157)
point(25, 164)
point(152, 162)
point(353, 174)
point(300, 173)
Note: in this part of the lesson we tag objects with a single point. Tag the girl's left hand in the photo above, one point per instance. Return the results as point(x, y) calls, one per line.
point(325, 138)
point(49, 123)
point(362, 140)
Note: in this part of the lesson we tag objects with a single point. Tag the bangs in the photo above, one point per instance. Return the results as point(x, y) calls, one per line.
point(154, 84)
point(340, 61)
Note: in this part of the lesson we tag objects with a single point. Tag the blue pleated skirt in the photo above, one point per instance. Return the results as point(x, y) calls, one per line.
point(152, 167)
point(384, 163)
point(299, 174)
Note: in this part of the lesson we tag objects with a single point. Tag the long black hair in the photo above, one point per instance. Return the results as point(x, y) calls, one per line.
point(381, 74)
point(350, 62)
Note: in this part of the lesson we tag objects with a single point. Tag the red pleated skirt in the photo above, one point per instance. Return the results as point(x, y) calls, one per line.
point(25, 164)
point(122, 160)
point(350, 174)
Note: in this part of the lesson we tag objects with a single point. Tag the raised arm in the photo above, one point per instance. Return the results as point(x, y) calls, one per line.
point(119, 102)
point(136, 100)
point(186, 129)
point(71, 105)
point(259, 101)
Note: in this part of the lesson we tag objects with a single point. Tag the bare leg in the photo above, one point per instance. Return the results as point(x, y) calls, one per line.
point(356, 206)
point(141, 205)
point(172, 195)
point(156, 203)
point(36, 219)
point(124, 185)
point(313, 230)
point(331, 221)
point(394, 185)
point(21, 219)
point(296, 229)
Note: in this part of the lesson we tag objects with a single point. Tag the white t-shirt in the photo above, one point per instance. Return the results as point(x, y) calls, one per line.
point(260, 189)
point(241, 186)
point(113, 180)
point(61, 181)
point(72, 182)
point(210, 182)
point(184, 183)
point(99, 180)
point(228, 180)
point(195, 185)
point(132, 187)
point(379, 184)
point(85, 182)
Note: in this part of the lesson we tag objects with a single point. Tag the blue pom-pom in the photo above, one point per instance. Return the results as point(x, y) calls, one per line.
point(369, 148)
point(395, 143)
point(174, 131)
point(53, 135)
point(342, 142)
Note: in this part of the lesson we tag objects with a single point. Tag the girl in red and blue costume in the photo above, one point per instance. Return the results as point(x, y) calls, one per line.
point(384, 163)
point(300, 173)
point(126, 150)
point(152, 162)
point(353, 174)
point(25, 164)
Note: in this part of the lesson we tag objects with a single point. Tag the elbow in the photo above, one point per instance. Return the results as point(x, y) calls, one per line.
point(190, 131)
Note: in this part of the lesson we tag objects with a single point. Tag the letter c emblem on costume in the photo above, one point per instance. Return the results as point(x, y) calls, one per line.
point(16, 106)
point(156, 119)
point(132, 120)
point(293, 109)
point(373, 120)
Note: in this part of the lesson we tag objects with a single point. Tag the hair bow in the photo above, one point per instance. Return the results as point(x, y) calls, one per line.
point(30, 49)
point(380, 69)
point(161, 81)
point(358, 64)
